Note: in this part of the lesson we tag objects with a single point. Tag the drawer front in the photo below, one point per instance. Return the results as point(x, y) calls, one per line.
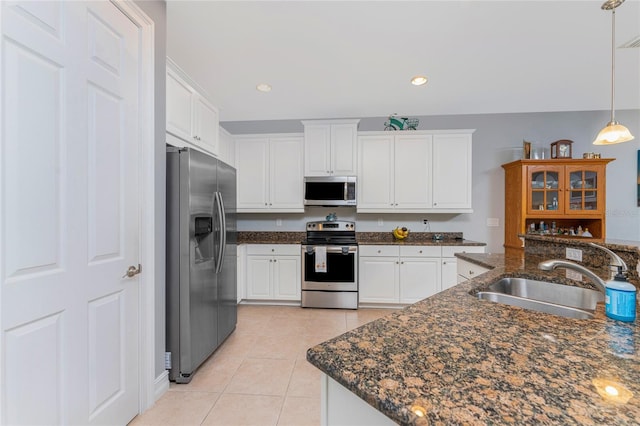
point(379, 250)
point(450, 251)
point(470, 270)
point(420, 251)
point(273, 249)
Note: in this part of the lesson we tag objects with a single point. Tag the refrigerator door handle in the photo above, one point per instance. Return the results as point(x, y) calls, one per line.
point(223, 217)
point(220, 211)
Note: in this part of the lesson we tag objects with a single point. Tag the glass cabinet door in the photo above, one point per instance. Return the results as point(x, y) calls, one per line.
point(545, 195)
point(586, 192)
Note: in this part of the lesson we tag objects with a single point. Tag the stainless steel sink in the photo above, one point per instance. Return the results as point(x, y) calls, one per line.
point(558, 299)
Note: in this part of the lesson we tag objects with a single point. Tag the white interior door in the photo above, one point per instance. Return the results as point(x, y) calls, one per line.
point(70, 215)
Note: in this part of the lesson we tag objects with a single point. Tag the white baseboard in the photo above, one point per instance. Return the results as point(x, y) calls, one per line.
point(161, 385)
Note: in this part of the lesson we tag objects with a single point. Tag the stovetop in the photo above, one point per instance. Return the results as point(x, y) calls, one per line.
point(337, 232)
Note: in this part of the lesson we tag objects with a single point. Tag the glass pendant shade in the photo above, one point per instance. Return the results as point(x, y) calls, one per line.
point(613, 133)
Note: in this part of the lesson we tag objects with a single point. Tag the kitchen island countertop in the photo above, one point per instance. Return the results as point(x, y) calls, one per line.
point(467, 361)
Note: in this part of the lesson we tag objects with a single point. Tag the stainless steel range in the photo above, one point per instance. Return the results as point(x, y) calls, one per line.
point(330, 265)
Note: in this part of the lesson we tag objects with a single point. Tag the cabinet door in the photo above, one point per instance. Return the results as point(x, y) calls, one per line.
point(317, 150)
point(378, 279)
point(412, 172)
point(286, 278)
point(252, 161)
point(545, 194)
point(375, 173)
point(449, 272)
point(179, 107)
point(344, 146)
point(286, 181)
point(468, 270)
point(419, 278)
point(205, 125)
point(586, 190)
point(259, 277)
point(452, 163)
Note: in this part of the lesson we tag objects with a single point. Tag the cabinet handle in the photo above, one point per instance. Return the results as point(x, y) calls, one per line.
point(420, 251)
point(470, 272)
point(402, 263)
point(379, 251)
point(265, 204)
point(435, 204)
point(273, 249)
point(275, 260)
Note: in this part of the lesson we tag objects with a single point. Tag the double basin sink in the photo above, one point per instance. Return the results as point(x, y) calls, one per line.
point(558, 299)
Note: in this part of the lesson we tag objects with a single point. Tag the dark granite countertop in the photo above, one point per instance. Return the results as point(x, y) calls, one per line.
point(364, 238)
point(467, 361)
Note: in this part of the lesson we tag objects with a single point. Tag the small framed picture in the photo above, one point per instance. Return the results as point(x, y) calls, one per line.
point(526, 150)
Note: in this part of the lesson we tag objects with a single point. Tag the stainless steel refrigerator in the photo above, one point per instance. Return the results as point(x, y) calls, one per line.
point(201, 258)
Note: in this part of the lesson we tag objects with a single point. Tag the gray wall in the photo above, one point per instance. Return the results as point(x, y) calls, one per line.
point(157, 11)
point(497, 140)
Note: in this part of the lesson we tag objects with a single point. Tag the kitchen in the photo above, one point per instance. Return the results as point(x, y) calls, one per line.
point(495, 138)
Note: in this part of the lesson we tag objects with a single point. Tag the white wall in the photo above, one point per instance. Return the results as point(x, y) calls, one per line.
point(495, 140)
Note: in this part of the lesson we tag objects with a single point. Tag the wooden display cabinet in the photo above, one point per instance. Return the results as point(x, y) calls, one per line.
point(567, 192)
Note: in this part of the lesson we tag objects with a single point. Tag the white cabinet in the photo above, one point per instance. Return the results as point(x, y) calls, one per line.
point(409, 172)
point(394, 172)
point(269, 173)
point(191, 119)
point(468, 270)
point(419, 272)
point(330, 147)
point(378, 277)
point(394, 274)
point(452, 171)
point(227, 147)
point(273, 272)
point(450, 263)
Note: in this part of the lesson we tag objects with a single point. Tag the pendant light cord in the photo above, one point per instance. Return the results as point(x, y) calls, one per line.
point(613, 62)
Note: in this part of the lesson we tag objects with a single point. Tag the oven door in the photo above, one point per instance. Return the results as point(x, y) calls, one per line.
point(342, 269)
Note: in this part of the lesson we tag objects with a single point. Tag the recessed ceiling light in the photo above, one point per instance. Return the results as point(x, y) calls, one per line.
point(419, 80)
point(263, 87)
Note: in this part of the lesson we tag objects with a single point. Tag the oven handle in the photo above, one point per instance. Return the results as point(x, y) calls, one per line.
point(330, 249)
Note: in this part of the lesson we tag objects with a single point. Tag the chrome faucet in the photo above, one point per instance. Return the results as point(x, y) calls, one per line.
point(621, 267)
point(549, 265)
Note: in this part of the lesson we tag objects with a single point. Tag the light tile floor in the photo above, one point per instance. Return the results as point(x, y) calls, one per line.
point(260, 375)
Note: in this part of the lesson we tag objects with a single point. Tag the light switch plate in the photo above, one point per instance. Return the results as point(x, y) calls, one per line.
point(493, 221)
point(573, 254)
point(574, 275)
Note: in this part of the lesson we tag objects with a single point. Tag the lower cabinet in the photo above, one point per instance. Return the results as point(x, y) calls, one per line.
point(467, 270)
point(396, 274)
point(273, 272)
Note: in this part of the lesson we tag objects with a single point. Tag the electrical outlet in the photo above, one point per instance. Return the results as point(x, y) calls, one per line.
point(167, 360)
point(380, 222)
point(278, 222)
point(573, 275)
point(573, 254)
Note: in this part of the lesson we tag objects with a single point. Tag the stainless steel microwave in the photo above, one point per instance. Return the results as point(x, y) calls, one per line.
point(330, 191)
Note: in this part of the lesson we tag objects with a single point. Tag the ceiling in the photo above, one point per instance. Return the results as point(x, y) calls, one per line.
point(337, 59)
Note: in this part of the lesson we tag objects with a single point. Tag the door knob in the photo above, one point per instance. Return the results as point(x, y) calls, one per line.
point(132, 271)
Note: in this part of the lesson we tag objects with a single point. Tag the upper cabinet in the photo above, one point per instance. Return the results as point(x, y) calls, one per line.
point(269, 174)
point(566, 193)
point(330, 147)
point(417, 171)
point(451, 160)
point(191, 119)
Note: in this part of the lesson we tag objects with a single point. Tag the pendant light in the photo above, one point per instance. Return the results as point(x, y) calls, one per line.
point(613, 132)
